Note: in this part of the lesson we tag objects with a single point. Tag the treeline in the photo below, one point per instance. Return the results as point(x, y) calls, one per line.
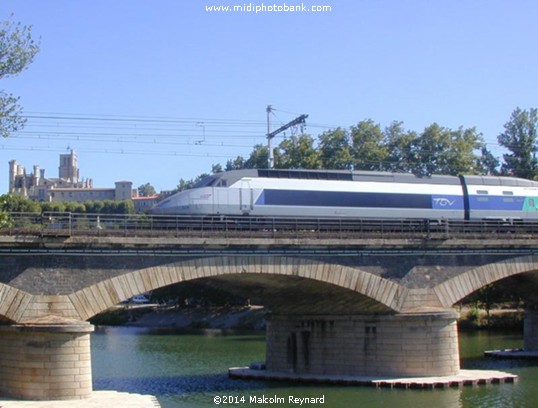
point(435, 150)
point(12, 203)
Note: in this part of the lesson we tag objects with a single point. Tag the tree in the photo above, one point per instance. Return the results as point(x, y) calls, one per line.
point(399, 146)
point(367, 147)
point(259, 157)
point(335, 150)
point(17, 51)
point(236, 164)
point(298, 152)
point(146, 190)
point(519, 137)
point(444, 151)
point(14, 203)
point(184, 185)
point(488, 163)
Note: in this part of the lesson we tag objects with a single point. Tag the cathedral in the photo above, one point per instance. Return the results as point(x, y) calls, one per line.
point(66, 187)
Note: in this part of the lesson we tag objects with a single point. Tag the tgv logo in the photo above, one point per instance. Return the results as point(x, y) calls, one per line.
point(444, 202)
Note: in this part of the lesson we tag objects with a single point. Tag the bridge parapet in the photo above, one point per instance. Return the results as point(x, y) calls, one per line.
point(70, 225)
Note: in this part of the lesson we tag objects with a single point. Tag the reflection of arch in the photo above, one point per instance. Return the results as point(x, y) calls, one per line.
point(99, 297)
point(453, 290)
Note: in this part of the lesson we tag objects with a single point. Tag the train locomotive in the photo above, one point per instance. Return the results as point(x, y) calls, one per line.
point(356, 194)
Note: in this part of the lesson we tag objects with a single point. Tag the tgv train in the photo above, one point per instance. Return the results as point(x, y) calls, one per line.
point(359, 194)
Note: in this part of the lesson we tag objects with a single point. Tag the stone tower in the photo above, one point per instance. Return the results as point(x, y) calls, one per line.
point(68, 169)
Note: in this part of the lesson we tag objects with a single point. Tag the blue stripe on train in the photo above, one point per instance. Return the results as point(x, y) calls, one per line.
point(509, 203)
point(353, 199)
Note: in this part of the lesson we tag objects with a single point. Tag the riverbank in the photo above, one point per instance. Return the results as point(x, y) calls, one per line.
point(253, 317)
point(499, 318)
point(159, 316)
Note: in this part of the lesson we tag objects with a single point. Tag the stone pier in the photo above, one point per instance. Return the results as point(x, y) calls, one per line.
point(46, 359)
point(530, 331)
point(402, 345)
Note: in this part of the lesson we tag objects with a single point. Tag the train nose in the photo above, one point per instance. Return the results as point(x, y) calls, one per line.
point(182, 202)
point(176, 204)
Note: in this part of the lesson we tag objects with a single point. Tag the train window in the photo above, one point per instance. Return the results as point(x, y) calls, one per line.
point(483, 199)
point(508, 193)
point(205, 182)
point(309, 174)
point(482, 192)
point(508, 200)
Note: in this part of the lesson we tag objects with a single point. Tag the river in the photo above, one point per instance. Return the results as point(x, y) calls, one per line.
point(188, 371)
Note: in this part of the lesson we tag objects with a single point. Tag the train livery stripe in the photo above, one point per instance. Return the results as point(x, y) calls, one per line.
point(358, 199)
point(513, 203)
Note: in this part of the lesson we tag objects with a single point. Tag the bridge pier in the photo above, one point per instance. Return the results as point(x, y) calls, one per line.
point(400, 345)
point(530, 330)
point(46, 359)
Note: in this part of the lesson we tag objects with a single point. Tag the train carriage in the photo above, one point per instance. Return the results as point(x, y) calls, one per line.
point(356, 194)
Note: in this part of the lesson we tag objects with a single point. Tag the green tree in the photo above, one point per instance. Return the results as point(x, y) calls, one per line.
point(298, 152)
point(14, 203)
point(399, 144)
point(17, 51)
point(487, 163)
point(235, 164)
point(259, 157)
point(75, 207)
point(125, 207)
point(52, 207)
point(335, 150)
point(94, 207)
point(367, 146)
point(187, 184)
point(519, 137)
point(444, 151)
point(184, 184)
point(146, 190)
point(216, 168)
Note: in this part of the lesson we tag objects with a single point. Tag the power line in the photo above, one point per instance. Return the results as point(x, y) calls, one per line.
point(138, 119)
point(114, 151)
point(131, 129)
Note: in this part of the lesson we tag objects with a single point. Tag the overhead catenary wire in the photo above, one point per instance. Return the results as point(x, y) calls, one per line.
point(164, 131)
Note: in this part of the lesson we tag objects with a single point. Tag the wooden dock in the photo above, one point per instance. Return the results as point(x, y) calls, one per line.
point(464, 378)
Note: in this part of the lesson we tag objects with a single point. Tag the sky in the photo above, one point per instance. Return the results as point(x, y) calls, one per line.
point(156, 91)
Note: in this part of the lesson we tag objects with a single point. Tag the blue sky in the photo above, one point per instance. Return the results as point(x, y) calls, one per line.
point(155, 91)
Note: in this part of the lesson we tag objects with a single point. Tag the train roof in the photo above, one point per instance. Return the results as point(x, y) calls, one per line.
point(499, 181)
point(230, 177)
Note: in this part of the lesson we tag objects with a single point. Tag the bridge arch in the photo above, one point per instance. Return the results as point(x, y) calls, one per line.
point(13, 303)
point(97, 298)
point(455, 289)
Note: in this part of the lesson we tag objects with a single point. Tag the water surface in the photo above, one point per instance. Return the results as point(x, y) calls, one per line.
point(189, 371)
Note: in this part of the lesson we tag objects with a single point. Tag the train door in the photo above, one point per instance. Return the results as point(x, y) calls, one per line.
point(531, 207)
point(246, 197)
point(222, 202)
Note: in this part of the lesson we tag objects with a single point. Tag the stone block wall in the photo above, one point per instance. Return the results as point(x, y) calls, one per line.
point(396, 345)
point(45, 363)
point(530, 330)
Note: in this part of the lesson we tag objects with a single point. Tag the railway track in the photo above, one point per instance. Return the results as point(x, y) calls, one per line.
point(140, 225)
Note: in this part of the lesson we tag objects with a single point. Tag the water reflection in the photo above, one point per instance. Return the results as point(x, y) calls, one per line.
point(189, 370)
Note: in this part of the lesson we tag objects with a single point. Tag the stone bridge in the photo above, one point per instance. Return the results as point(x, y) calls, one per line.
point(359, 307)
